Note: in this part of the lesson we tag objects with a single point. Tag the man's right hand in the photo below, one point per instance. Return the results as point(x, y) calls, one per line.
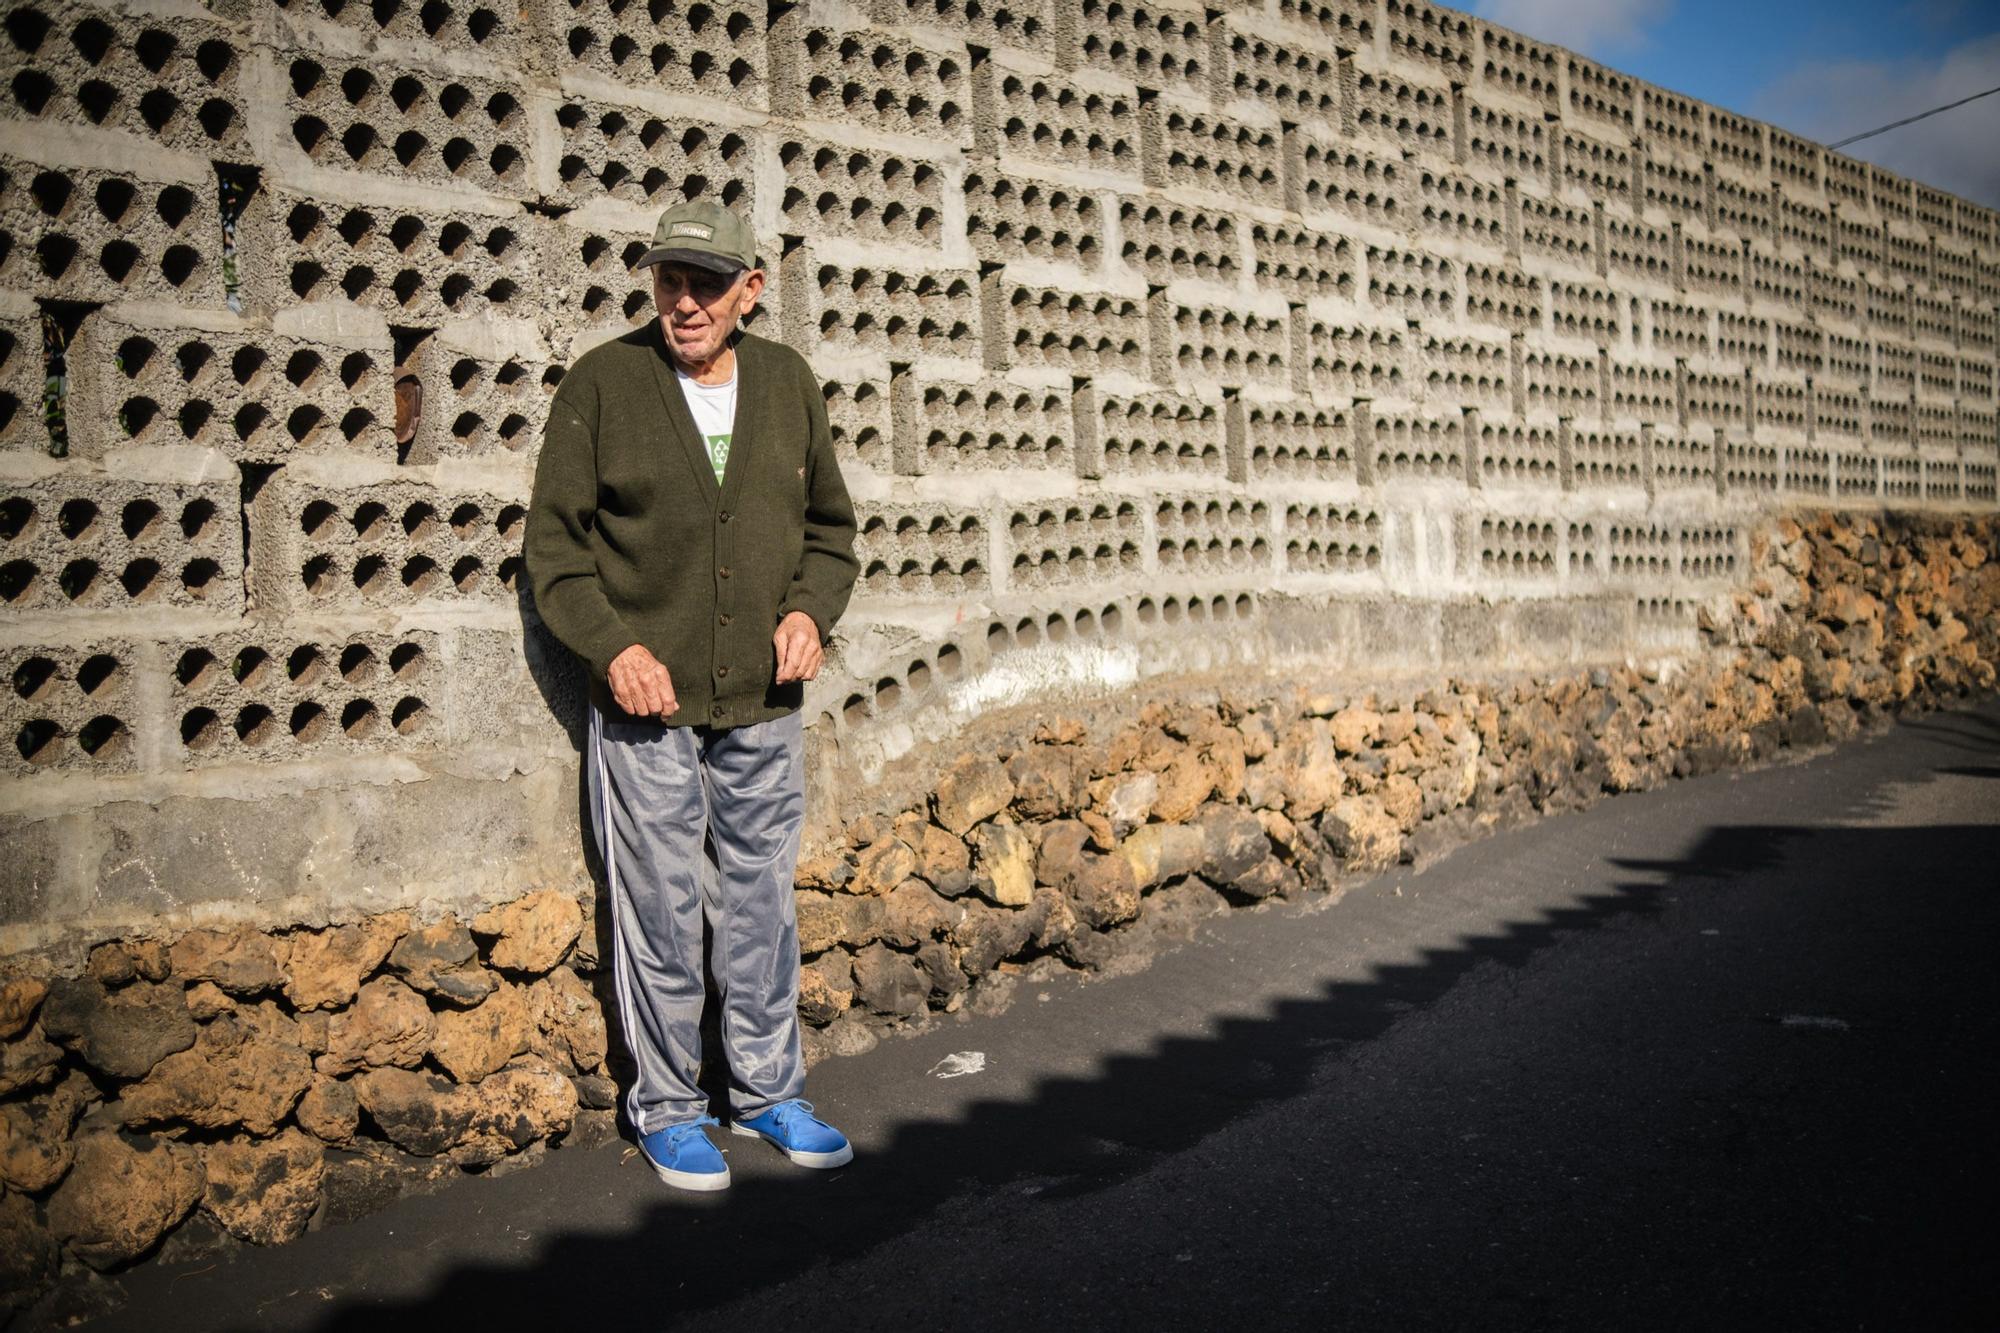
point(640, 684)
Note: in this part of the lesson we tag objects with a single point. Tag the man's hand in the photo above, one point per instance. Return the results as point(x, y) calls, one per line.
point(641, 685)
point(799, 653)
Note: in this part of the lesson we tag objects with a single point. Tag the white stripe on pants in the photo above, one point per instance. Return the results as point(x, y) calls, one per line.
point(696, 823)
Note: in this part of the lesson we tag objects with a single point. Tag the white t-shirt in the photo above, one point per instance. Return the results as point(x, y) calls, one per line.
point(713, 407)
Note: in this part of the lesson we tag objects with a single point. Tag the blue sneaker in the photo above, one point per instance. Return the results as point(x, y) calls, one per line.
point(791, 1127)
point(682, 1156)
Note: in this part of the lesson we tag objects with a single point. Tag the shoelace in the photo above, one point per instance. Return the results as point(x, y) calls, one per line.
point(784, 1112)
point(679, 1132)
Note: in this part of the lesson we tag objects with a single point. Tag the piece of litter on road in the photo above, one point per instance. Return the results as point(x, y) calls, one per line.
point(1821, 1021)
point(960, 1062)
point(1711, 931)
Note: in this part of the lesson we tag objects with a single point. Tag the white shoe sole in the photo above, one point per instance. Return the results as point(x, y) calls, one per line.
point(689, 1180)
point(839, 1157)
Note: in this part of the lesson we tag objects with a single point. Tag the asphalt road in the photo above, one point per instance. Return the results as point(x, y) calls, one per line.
point(1715, 1056)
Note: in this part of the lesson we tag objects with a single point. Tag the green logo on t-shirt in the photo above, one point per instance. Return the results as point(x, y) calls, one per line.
point(718, 454)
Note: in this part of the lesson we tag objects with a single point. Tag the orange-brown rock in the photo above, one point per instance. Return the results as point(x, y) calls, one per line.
point(241, 961)
point(1045, 781)
point(328, 966)
point(569, 1013)
point(264, 1191)
point(330, 1111)
point(974, 788)
point(1125, 801)
point(821, 921)
point(1355, 729)
point(35, 1147)
point(522, 1104)
point(533, 933)
point(19, 998)
point(1307, 769)
point(420, 1112)
point(472, 1043)
point(1844, 604)
point(28, 1061)
point(120, 1197)
point(153, 958)
point(1005, 861)
point(1103, 891)
point(228, 1078)
point(207, 1001)
point(111, 965)
point(124, 1032)
point(827, 868)
point(912, 914)
point(440, 959)
point(986, 935)
point(826, 987)
point(1402, 800)
point(1259, 736)
point(889, 982)
point(882, 865)
point(388, 1024)
point(1160, 852)
point(1184, 785)
point(1233, 842)
point(1270, 877)
point(1158, 748)
point(939, 854)
point(1222, 750)
point(1061, 731)
point(1362, 833)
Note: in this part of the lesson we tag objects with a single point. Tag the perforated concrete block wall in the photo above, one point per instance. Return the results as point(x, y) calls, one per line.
point(1157, 338)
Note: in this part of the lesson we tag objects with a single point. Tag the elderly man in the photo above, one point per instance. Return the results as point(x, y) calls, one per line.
point(691, 539)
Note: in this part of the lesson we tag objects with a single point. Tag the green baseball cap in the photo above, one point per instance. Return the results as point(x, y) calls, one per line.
point(703, 234)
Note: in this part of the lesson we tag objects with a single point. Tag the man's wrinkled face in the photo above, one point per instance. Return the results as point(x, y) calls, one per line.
point(699, 308)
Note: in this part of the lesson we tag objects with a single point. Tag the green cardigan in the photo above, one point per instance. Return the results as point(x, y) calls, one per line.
point(630, 540)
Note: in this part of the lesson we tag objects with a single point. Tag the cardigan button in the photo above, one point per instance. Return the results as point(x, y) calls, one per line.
point(724, 516)
point(722, 671)
point(715, 711)
point(724, 571)
point(725, 618)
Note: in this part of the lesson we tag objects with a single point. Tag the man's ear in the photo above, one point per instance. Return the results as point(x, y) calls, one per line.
point(753, 288)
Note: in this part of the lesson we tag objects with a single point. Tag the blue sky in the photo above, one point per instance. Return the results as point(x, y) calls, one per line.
point(1822, 68)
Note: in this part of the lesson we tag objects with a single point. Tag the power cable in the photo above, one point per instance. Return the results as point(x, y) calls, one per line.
point(1897, 124)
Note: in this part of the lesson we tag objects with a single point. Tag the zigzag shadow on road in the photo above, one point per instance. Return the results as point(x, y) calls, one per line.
point(1072, 1136)
point(1973, 770)
point(1079, 1135)
point(1960, 728)
point(1970, 727)
point(1076, 1136)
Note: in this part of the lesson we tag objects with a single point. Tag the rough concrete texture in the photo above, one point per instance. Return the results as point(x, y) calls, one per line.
point(1157, 341)
point(312, 1074)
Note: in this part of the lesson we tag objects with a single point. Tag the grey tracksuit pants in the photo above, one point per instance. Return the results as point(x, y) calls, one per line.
point(693, 822)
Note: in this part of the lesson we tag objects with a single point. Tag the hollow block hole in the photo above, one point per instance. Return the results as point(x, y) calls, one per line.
point(104, 737)
point(39, 741)
point(99, 674)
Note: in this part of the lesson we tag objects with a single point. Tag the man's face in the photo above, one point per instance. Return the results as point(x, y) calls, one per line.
point(699, 308)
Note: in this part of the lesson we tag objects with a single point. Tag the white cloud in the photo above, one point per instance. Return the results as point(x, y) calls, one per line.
point(1827, 100)
point(1590, 26)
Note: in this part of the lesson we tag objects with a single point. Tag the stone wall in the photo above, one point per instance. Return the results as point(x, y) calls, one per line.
point(1158, 340)
point(227, 1086)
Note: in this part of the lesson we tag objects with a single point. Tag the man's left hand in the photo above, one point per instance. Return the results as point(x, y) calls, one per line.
point(799, 653)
